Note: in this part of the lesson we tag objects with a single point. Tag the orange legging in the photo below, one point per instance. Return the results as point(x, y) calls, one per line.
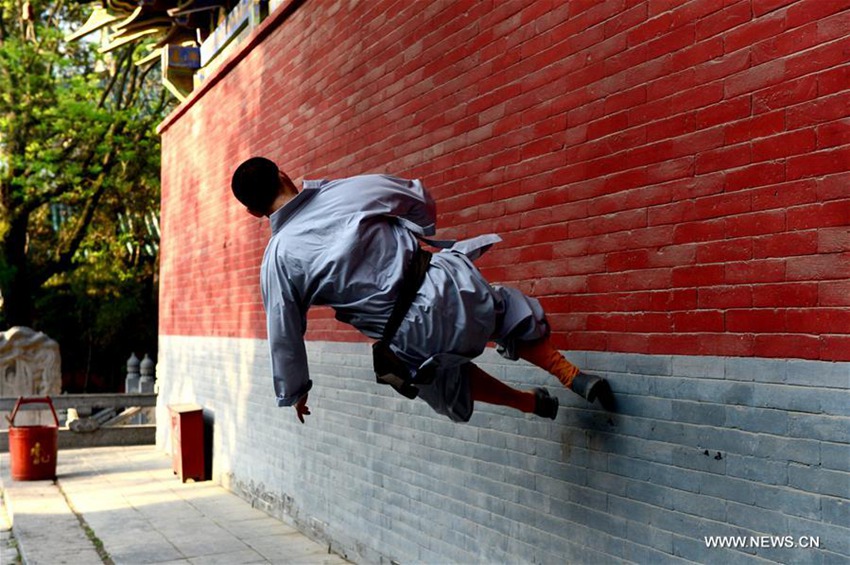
point(543, 354)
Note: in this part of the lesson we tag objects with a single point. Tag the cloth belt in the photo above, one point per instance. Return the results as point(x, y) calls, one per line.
point(389, 369)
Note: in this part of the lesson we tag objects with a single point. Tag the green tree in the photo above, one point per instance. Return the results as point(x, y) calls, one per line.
point(79, 173)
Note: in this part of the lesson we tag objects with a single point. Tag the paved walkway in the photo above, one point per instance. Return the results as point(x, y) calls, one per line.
point(124, 505)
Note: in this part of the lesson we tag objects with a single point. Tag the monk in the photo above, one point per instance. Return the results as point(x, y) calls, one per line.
point(356, 245)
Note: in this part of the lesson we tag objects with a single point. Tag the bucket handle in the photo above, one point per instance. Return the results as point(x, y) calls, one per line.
point(33, 400)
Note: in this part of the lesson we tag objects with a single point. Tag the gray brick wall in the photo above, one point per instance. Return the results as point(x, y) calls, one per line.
point(700, 446)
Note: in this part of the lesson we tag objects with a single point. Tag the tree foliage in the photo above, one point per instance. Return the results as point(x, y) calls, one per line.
point(79, 178)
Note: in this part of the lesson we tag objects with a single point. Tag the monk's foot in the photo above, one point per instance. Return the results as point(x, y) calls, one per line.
point(545, 405)
point(592, 388)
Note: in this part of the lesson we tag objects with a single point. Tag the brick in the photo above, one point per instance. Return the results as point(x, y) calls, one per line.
point(756, 519)
point(726, 297)
point(759, 174)
point(834, 457)
point(722, 205)
point(671, 255)
point(645, 535)
point(835, 348)
point(755, 127)
point(724, 158)
point(609, 124)
point(811, 10)
point(676, 212)
point(835, 213)
point(790, 502)
point(793, 143)
point(829, 375)
point(788, 398)
point(783, 345)
point(754, 31)
point(783, 448)
point(702, 367)
point(834, 293)
point(818, 111)
point(756, 320)
point(834, 537)
point(761, 370)
point(699, 231)
point(637, 322)
point(721, 391)
point(698, 275)
point(819, 320)
point(730, 489)
point(786, 94)
point(649, 493)
point(785, 244)
point(617, 221)
point(698, 321)
point(695, 98)
point(671, 42)
point(757, 469)
point(627, 260)
point(833, 186)
point(651, 28)
point(700, 460)
point(724, 112)
point(756, 420)
point(784, 44)
point(818, 267)
point(671, 83)
point(757, 223)
point(700, 344)
point(836, 511)
point(754, 78)
point(649, 365)
point(759, 270)
point(828, 428)
point(833, 80)
point(818, 163)
point(767, 6)
point(823, 481)
point(833, 134)
point(724, 251)
point(643, 196)
point(788, 294)
point(697, 505)
point(784, 195)
point(701, 51)
point(731, 17)
point(720, 67)
point(672, 127)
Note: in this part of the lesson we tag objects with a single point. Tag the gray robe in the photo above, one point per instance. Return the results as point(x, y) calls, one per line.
point(344, 243)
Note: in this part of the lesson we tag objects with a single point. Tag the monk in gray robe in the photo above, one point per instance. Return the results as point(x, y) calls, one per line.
point(348, 244)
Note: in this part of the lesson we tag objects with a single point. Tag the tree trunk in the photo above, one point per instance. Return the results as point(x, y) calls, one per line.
point(17, 294)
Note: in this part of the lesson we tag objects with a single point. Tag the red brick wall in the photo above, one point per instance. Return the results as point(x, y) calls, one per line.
point(668, 176)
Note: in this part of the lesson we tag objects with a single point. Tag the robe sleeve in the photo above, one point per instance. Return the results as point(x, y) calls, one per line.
point(286, 324)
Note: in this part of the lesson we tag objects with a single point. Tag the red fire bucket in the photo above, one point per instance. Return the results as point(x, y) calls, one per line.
point(33, 449)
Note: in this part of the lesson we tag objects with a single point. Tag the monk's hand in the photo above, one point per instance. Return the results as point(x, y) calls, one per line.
point(301, 408)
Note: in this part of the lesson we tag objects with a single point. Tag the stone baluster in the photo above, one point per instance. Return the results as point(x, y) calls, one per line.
point(131, 384)
point(147, 379)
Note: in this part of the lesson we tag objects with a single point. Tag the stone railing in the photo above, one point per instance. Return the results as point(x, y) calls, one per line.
point(94, 420)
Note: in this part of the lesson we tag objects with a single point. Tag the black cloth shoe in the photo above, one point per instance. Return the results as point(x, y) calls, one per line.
point(545, 405)
point(592, 387)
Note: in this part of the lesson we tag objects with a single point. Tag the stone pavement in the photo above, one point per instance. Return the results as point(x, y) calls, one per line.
point(124, 505)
